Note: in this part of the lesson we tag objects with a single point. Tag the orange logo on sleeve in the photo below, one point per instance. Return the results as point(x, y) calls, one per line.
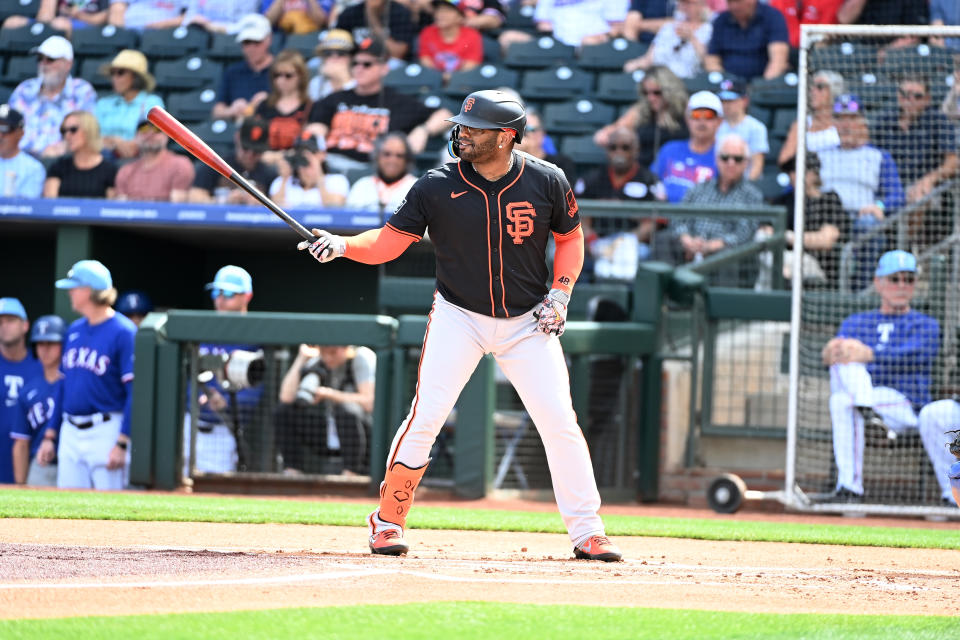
point(468, 104)
point(521, 215)
point(572, 206)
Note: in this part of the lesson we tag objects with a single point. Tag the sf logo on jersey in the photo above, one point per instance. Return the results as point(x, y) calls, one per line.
point(520, 215)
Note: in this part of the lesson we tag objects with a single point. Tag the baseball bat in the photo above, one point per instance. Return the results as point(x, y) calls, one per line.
point(202, 151)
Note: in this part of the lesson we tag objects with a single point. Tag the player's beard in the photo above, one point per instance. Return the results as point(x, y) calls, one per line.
point(479, 151)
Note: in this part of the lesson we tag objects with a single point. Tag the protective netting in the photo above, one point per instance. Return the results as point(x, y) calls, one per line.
point(878, 330)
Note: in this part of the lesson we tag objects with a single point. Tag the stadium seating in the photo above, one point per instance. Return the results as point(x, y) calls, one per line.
point(582, 116)
point(538, 53)
point(174, 43)
point(225, 48)
point(440, 101)
point(414, 79)
point(486, 76)
point(849, 59)
point(520, 18)
point(19, 8)
point(922, 59)
point(875, 95)
point(103, 41)
point(191, 106)
point(611, 55)
point(583, 150)
point(783, 119)
point(775, 93)
point(18, 69)
point(618, 88)
point(22, 39)
point(772, 183)
point(305, 43)
point(90, 71)
point(558, 83)
point(192, 72)
point(216, 133)
point(706, 81)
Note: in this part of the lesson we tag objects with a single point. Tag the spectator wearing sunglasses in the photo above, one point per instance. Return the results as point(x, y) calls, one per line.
point(822, 134)
point(121, 112)
point(83, 172)
point(682, 164)
point(287, 105)
point(880, 369)
point(333, 72)
point(385, 190)
point(246, 83)
point(733, 94)
point(222, 410)
point(23, 175)
point(697, 238)
point(158, 173)
point(617, 246)
point(46, 99)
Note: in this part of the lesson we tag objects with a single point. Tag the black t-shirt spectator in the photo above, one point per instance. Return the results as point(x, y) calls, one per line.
point(824, 209)
point(284, 128)
point(354, 122)
point(399, 20)
point(83, 183)
point(602, 184)
point(208, 179)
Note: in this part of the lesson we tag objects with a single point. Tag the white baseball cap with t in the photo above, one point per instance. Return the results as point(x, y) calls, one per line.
point(232, 278)
point(705, 100)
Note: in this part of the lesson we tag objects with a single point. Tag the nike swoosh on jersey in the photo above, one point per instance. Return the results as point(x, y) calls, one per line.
point(454, 195)
point(73, 336)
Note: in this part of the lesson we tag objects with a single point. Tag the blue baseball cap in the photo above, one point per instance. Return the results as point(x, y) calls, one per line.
point(87, 273)
point(12, 307)
point(47, 329)
point(134, 303)
point(233, 279)
point(895, 262)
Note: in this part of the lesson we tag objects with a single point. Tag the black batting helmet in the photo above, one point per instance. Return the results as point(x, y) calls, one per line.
point(492, 109)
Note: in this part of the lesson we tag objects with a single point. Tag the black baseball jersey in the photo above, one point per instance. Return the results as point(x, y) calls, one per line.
point(490, 238)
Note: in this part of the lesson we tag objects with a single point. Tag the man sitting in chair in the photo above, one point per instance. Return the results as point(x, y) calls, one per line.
point(880, 364)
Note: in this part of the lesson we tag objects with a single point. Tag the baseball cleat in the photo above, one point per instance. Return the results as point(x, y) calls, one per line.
point(598, 548)
point(388, 542)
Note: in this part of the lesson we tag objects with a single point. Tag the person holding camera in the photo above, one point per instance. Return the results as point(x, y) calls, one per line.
point(304, 181)
point(326, 403)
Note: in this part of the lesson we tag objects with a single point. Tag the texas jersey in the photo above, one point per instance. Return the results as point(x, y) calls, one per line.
point(506, 275)
point(40, 407)
point(97, 364)
point(13, 377)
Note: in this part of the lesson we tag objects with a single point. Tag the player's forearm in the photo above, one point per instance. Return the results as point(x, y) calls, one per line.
point(376, 246)
point(21, 460)
point(568, 259)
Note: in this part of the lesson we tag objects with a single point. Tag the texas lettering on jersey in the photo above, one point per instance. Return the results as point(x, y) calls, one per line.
point(13, 383)
point(86, 358)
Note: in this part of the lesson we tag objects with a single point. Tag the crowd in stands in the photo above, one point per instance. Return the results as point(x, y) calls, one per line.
point(342, 103)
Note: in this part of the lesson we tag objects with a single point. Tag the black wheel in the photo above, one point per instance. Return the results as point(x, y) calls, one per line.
point(725, 493)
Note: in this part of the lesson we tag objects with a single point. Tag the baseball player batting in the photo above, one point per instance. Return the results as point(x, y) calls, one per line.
point(489, 215)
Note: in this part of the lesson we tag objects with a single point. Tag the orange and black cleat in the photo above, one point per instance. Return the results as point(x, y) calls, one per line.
point(598, 548)
point(388, 542)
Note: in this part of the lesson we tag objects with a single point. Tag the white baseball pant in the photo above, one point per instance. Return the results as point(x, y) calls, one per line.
point(935, 420)
point(82, 453)
point(533, 362)
point(216, 449)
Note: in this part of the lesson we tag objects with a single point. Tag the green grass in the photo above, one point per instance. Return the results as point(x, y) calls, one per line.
point(480, 620)
point(27, 503)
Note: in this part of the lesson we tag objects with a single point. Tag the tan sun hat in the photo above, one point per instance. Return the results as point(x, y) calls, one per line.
point(133, 61)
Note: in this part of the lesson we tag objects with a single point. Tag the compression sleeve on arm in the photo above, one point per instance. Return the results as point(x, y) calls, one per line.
point(376, 246)
point(568, 259)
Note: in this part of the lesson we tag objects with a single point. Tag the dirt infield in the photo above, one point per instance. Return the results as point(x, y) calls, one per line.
point(51, 568)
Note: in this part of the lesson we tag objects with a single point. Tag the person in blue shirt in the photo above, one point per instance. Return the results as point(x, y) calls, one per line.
point(17, 366)
point(880, 367)
point(749, 40)
point(122, 111)
point(682, 164)
point(98, 383)
point(37, 423)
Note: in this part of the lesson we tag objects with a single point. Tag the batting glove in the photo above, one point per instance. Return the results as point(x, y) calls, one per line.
point(551, 314)
point(326, 247)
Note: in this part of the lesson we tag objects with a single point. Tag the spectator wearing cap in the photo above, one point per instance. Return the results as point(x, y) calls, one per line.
point(749, 40)
point(297, 16)
point(697, 238)
point(36, 425)
point(681, 164)
point(98, 383)
point(449, 45)
point(287, 106)
point(223, 410)
point(135, 305)
point(385, 20)
point(250, 143)
point(681, 43)
point(351, 120)
point(22, 175)
point(45, 100)
point(335, 52)
point(63, 16)
point(866, 179)
point(385, 190)
point(158, 173)
point(919, 137)
point(880, 373)
point(17, 366)
point(246, 83)
point(733, 94)
point(121, 112)
point(305, 179)
point(146, 14)
point(825, 87)
point(83, 172)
